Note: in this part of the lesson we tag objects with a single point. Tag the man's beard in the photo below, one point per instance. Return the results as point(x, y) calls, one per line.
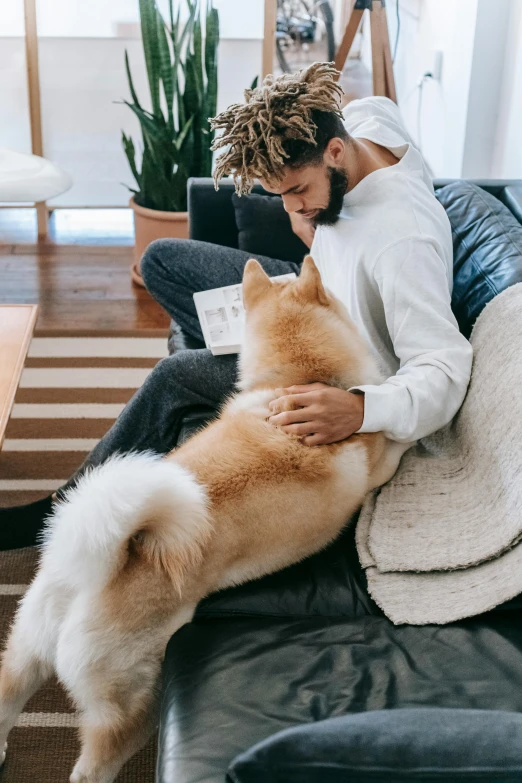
point(338, 187)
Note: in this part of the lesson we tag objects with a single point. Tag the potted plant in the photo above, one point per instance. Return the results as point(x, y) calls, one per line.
point(181, 63)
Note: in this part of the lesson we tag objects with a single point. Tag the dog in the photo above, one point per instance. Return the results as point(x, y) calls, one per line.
point(140, 540)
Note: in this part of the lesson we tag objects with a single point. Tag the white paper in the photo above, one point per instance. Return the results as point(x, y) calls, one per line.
point(222, 316)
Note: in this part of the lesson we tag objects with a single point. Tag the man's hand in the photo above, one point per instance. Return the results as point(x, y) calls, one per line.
point(304, 229)
point(320, 414)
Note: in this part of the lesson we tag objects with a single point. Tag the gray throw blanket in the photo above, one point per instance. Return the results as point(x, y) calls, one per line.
point(443, 539)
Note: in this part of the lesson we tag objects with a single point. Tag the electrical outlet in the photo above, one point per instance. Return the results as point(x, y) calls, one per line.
point(436, 69)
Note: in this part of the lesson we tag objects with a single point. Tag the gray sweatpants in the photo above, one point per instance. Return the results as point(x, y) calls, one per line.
point(174, 269)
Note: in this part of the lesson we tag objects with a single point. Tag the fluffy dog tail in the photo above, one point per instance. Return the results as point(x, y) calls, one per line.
point(154, 501)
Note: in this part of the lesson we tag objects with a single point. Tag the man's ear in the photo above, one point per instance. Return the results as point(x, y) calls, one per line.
point(310, 283)
point(334, 152)
point(256, 283)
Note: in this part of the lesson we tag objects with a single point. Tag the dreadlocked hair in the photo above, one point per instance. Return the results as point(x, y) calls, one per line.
point(286, 121)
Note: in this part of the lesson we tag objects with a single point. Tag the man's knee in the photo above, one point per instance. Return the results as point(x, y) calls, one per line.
point(181, 370)
point(190, 373)
point(163, 258)
point(168, 371)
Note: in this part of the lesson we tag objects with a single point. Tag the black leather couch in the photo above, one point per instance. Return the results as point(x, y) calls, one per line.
point(308, 643)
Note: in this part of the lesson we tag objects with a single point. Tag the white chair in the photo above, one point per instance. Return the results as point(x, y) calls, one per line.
point(29, 178)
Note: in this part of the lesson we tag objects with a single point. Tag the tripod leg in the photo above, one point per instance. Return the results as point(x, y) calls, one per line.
point(349, 34)
point(378, 67)
point(390, 81)
point(388, 65)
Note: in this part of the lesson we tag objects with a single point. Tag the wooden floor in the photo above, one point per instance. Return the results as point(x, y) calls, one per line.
point(80, 276)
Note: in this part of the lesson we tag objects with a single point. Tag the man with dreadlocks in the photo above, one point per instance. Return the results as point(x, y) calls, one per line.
point(359, 193)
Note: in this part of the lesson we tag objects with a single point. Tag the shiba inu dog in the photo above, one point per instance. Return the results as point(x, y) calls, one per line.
point(142, 539)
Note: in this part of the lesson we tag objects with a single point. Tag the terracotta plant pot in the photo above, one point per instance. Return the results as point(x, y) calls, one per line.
point(151, 224)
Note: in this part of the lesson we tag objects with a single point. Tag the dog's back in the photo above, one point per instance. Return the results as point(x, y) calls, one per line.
point(272, 500)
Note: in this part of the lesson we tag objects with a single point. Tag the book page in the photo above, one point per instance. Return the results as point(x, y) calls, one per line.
point(222, 316)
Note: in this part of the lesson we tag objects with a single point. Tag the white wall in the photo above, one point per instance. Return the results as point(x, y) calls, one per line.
point(507, 147)
point(15, 130)
point(98, 18)
point(487, 75)
point(468, 122)
point(12, 17)
point(435, 118)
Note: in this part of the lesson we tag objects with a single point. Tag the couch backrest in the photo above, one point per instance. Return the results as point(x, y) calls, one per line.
point(212, 217)
point(211, 213)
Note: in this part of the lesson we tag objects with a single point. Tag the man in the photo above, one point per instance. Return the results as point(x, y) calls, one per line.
point(360, 195)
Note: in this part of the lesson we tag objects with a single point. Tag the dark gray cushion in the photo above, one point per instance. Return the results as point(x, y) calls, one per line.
point(264, 228)
point(487, 249)
point(450, 745)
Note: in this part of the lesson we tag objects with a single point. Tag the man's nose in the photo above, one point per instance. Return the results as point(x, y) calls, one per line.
point(292, 203)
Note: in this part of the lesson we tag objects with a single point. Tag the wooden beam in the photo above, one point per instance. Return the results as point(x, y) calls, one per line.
point(42, 219)
point(388, 63)
point(378, 71)
point(33, 87)
point(383, 79)
point(269, 37)
point(348, 38)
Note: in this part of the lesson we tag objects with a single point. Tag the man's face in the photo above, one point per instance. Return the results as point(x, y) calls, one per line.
point(316, 192)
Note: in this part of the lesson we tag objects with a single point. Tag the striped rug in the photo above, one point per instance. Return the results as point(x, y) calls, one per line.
point(72, 389)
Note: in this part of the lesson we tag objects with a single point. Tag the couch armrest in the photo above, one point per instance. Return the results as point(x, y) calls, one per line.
point(513, 200)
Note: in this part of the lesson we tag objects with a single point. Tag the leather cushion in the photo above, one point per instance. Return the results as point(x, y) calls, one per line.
point(390, 745)
point(231, 683)
point(264, 228)
point(487, 249)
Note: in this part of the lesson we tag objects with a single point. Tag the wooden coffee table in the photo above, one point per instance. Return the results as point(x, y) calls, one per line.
point(16, 329)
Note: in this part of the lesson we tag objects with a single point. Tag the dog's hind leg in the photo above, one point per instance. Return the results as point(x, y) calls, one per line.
point(112, 731)
point(116, 692)
point(27, 658)
point(21, 675)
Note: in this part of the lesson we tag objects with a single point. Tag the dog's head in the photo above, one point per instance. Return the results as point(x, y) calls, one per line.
point(298, 332)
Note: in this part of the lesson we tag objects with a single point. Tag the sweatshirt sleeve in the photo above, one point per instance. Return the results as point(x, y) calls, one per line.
point(435, 358)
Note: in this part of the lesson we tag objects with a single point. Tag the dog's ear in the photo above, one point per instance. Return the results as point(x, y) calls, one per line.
point(310, 283)
point(255, 283)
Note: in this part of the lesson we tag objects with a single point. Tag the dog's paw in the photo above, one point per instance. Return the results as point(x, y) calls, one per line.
point(3, 754)
point(81, 775)
point(81, 778)
point(78, 777)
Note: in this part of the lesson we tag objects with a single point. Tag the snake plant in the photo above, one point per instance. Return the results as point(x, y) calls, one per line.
point(181, 63)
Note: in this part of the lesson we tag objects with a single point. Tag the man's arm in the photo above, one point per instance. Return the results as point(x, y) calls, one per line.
point(435, 359)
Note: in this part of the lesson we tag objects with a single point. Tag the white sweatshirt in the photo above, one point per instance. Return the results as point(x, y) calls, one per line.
point(389, 259)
